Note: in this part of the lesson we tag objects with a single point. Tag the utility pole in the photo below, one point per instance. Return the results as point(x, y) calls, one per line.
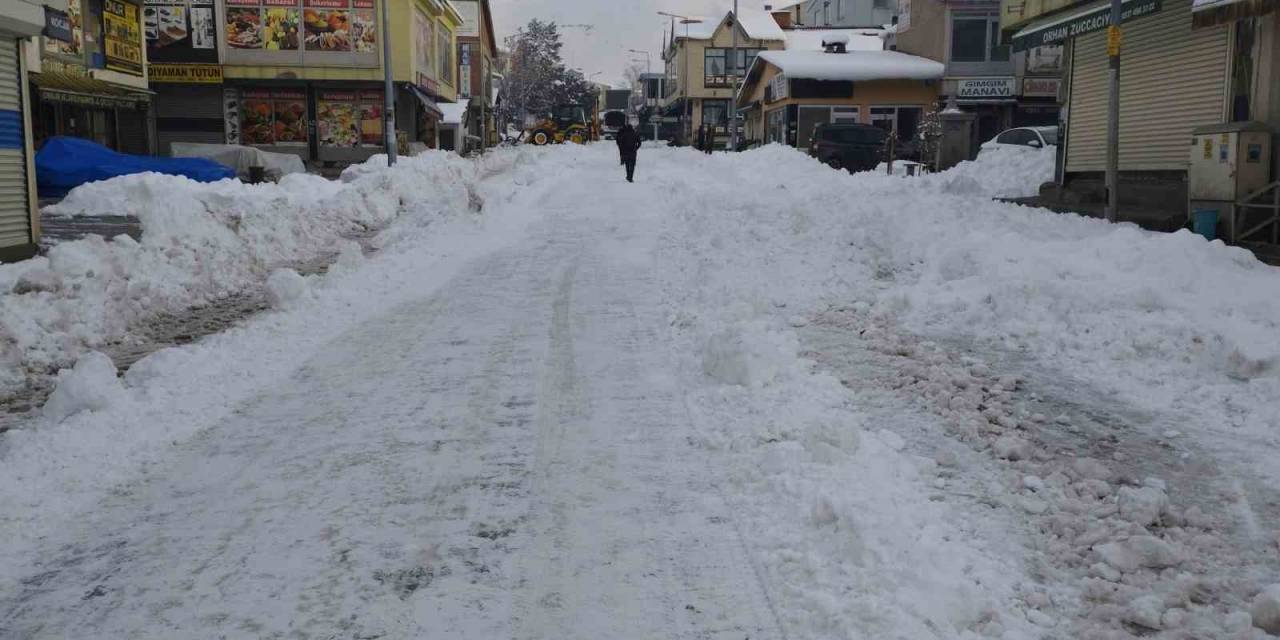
point(1113, 114)
point(389, 99)
point(737, 71)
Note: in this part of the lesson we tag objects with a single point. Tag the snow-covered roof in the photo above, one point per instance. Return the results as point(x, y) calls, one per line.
point(758, 25)
point(855, 65)
point(454, 112)
point(783, 6)
point(812, 39)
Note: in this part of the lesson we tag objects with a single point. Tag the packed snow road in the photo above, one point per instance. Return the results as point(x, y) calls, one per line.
point(746, 397)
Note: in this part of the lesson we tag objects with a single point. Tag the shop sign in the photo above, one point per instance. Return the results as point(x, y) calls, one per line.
point(72, 46)
point(185, 73)
point(57, 25)
point(273, 117)
point(349, 118)
point(984, 88)
point(122, 36)
point(1040, 87)
point(180, 30)
point(428, 85)
point(1046, 60)
point(321, 26)
point(779, 86)
point(1096, 20)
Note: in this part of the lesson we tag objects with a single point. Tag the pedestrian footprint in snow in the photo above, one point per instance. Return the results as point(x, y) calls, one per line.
point(628, 146)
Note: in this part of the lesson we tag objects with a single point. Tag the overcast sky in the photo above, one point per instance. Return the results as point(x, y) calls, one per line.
point(616, 25)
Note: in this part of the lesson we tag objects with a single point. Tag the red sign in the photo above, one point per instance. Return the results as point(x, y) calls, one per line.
point(242, 3)
point(338, 96)
point(280, 3)
point(289, 95)
point(362, 4)
point(250, 94)
point(326, 4)
point(371, 96)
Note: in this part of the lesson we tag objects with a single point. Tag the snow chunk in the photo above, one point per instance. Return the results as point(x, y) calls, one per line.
point(1266, 610)
point(285, 286)
point(1140, 552)
point(91, 385)
point(1145, 611)
point(37, 279)
point(1144, 505)
point(1012, 448)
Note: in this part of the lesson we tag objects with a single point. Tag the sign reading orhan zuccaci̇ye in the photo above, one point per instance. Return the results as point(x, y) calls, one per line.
point(1072, 25)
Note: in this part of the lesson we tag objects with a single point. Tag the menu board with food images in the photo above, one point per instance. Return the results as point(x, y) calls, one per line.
point(180, 31)
point(273, 117)
point(339, 26)
point(350, 118)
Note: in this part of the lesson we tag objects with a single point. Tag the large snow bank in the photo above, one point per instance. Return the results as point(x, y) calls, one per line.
point(199, 242)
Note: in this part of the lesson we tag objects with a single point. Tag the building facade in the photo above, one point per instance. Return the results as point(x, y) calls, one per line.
point(477, 55)
point(700, 71)
point(985, 76)
point(802, 14)
point(89, 79)
point(787, 94)
point(19, 224)
point(1184, 65)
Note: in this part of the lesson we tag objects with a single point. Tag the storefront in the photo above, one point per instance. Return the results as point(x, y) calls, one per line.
point(185, 74)
point(91, 80)
point(19, 226)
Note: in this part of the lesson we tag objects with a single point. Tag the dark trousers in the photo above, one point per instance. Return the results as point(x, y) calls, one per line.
point(631, 168)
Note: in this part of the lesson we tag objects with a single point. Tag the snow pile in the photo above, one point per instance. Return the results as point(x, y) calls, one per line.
point(200, 242)
point(285, 286)
point(748, 354)
point(1000, 171)
point(91, 386)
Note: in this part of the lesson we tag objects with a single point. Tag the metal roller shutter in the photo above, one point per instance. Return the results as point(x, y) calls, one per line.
point(1172, 79)
point(15, 211)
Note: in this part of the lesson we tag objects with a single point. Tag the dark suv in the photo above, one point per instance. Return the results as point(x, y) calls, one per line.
point(855, 147)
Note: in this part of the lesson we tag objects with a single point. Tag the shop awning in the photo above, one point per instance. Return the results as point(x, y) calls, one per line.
point(427, 103)
point(56, 86)
point(1207, 13)
point(1094, 16)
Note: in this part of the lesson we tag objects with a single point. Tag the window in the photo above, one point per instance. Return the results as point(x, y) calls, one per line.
point(777, 125)
point(969, 39)
point(446, 55)
point(746, 58)
point(844, 115)
point(881, 4)
point(715, 68)
point(976, 38)
point(715, 114)
point(904, 120)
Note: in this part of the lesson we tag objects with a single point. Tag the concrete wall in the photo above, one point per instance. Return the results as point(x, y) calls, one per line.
point(927, 36)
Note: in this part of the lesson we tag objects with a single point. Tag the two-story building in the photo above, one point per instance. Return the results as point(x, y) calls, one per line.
point(983, 74)
point(307, 78)
point(801, 14)
point(700, 68)
point(477, 51)
point(19, 225)
point(90, 76)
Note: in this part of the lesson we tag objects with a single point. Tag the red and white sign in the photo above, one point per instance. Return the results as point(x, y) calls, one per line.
point(1040, 87)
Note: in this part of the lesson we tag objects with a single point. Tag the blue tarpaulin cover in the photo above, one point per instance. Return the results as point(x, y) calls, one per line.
point(66, 163)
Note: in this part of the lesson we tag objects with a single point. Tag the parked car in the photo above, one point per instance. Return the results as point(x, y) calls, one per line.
point(853, 147)
point(1038, 137)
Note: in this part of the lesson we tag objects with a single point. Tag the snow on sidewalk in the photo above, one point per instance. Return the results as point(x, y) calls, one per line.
point(98, 431)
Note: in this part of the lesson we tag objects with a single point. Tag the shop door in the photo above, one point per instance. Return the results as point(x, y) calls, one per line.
point(15, 202)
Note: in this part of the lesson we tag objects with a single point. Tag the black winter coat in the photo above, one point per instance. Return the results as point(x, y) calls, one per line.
point(628, 142)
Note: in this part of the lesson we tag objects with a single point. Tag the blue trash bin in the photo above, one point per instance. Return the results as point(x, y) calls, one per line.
point(1205, 223)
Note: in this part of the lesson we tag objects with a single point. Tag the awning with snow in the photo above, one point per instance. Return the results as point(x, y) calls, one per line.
point(1094, 16)
point(1207, 13)
point(427, 103)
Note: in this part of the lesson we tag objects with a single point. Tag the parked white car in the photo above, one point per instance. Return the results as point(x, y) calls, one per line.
point(1038, 137)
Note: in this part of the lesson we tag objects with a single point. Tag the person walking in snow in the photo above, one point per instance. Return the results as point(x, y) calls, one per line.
point(628, 147)
point(702, 144)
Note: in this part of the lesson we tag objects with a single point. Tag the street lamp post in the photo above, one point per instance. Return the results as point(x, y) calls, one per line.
point(684, 86)
point(389, 99)
point(733, 103)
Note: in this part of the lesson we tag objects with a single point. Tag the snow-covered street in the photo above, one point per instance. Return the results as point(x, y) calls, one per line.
point(745, 397)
